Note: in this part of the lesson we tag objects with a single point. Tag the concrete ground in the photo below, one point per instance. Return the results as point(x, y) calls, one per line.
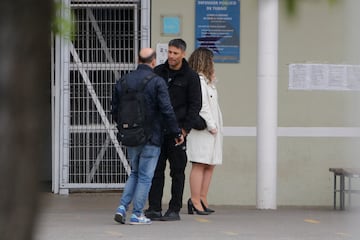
point(89, 216)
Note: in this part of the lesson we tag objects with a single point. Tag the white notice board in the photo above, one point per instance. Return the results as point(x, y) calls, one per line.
point(161, 53)
point(324, 77)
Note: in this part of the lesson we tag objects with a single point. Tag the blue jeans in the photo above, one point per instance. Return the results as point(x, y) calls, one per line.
point(143, 160)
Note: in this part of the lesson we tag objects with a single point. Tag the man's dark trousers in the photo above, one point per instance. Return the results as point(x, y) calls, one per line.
point(177, 160)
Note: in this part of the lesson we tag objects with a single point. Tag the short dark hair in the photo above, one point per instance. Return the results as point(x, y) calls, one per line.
point(178, 43)
point(147, 59)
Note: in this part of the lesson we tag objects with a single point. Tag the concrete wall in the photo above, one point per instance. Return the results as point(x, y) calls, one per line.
point(318, 33)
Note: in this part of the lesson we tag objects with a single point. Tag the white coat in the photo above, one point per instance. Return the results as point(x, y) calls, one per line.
point(202, 146)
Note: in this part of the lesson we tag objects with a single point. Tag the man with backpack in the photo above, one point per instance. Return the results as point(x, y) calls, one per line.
point(140, 106)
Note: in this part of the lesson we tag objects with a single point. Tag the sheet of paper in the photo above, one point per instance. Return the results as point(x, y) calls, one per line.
point(337, 77)
point(161, 53)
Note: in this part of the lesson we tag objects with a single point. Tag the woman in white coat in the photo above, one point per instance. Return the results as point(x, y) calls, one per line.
point(204, 147)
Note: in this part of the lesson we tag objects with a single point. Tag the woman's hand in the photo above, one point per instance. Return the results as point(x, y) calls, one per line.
point(213, 131)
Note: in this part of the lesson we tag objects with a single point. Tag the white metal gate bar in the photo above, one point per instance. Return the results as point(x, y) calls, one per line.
point(102, 40)
point(99, 159)
point(64, 105)
point(99, 108)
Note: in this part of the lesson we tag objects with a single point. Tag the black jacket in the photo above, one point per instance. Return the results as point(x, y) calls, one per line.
point(185, 92)
point(159, 107)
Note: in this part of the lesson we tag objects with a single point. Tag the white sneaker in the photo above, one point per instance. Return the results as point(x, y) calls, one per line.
point(135, 220)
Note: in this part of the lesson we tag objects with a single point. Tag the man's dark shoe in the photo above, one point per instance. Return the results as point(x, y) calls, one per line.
point(153, 215)
point(171, 215)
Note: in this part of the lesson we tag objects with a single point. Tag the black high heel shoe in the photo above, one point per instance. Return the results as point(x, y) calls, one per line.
point(191, 209)
point(209, 210)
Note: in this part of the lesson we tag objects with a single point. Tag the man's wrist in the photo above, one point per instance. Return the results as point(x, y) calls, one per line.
point(183, 132)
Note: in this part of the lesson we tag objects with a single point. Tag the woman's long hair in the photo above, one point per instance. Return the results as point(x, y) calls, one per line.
point(201, 61)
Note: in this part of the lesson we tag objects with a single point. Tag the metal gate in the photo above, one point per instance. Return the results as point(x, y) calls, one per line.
point(103, 47)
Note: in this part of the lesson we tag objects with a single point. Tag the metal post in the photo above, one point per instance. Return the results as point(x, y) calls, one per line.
point(65, 107)
point(342, 192)
point(267, 104)
point(56, 117)
point(349, 191)
point(335, 190)
point(145, 26)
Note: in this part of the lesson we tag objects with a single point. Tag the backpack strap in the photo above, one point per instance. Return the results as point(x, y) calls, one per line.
point(146, 80)
point(125, 87)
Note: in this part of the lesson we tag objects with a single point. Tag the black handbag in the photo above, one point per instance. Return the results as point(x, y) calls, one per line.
point(199, 123)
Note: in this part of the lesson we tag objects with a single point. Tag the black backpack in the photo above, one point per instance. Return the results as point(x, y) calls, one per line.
point(134, 126)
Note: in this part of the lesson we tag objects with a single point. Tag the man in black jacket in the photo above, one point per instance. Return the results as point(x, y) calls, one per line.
point(185, 95)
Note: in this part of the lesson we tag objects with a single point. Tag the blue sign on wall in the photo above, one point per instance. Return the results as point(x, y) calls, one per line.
point(171, 25)
point(218, 28)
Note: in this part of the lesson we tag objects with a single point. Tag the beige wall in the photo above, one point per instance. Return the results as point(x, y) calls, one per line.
point(318, 33)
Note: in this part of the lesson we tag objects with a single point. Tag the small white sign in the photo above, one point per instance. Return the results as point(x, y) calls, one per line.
point(161, 53)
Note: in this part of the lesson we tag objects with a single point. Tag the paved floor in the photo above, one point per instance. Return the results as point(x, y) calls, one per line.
point(90, 216)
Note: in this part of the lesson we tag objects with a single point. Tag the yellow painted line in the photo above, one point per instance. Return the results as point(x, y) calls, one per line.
point(311, 221)
point(202, 220)
point(343, 234)
point(115, 234)
point(232, 233)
